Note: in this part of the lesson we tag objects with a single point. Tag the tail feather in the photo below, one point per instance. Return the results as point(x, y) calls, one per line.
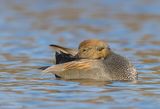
point(59, 49)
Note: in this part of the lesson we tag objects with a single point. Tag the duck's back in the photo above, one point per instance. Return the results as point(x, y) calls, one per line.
point(119, 67)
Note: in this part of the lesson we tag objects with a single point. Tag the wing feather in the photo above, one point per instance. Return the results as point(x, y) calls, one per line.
point(64, 50)
point(73, 65)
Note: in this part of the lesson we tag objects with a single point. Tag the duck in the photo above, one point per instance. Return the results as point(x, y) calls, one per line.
point(93, 60)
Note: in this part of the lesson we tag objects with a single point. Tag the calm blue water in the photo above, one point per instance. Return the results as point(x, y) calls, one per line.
point(27, 27)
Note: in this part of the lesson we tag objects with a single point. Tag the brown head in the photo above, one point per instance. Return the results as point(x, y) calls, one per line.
point(93, 49)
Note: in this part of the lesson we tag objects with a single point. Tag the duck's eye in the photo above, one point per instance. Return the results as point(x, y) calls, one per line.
point(84, 50)
point(100, 48)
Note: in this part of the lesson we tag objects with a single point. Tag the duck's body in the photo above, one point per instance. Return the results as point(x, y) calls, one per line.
point(119, 67)
point(92, 61)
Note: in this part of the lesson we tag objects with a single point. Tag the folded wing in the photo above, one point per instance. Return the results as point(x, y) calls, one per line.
point(82, 69)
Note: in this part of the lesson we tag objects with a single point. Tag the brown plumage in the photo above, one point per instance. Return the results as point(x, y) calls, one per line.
point(93, 60)
point(93, 49)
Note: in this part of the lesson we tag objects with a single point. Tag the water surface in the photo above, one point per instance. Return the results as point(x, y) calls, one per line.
point(27, 27)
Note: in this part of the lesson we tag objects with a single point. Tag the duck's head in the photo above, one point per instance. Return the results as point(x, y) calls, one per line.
point(93, 49)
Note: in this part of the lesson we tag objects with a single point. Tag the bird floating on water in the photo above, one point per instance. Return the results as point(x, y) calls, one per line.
point(92, 60)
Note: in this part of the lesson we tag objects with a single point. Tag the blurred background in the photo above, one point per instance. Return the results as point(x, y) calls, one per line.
point(27, 27)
